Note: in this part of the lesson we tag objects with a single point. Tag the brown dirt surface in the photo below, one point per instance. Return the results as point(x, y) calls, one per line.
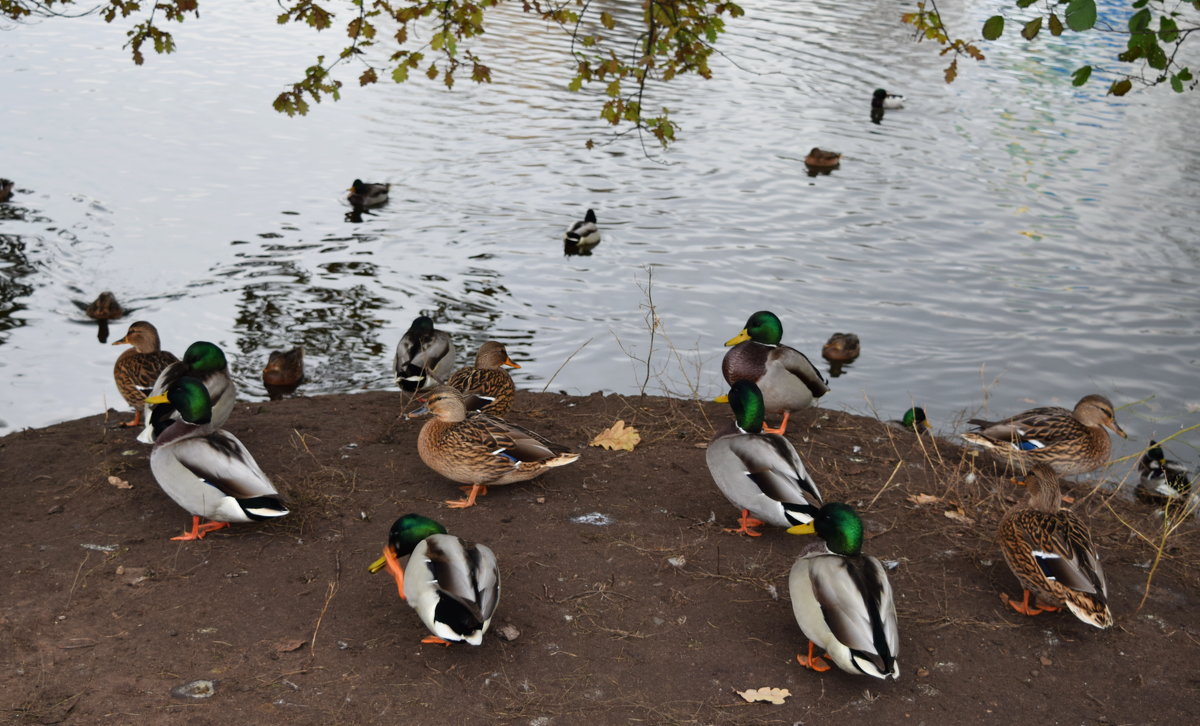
point(623, 599)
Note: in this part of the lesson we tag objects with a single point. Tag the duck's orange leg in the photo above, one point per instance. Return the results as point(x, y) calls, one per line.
point(434, 640)
point(812, 661)
point(1025, 608)
point(199, 530)
point(393, 566)
point(137, 419)
point(782, 426)
point(748, 524)
point(477, 490)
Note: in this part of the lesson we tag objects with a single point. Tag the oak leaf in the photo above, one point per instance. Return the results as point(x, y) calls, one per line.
point(617, 436)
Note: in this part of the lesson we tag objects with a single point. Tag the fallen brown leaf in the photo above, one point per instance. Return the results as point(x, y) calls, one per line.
point(119, 483)
point(923, 498)
point(958, 516)
point(766, 693)
point(287, 645)
point(617, 436)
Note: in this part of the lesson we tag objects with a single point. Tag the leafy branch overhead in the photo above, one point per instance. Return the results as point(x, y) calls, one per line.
point(1154, 36)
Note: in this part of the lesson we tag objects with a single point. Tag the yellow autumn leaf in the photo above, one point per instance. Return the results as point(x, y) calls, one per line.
point(617, 436)
point(766, 693)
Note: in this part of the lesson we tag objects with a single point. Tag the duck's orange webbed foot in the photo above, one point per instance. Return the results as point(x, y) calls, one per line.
point(136, 421)
point(476, 490)
point(199, 530)
point(814, 662)
point(1025, 608)
point(748, 524)
point(781, 429)
point(434, 640)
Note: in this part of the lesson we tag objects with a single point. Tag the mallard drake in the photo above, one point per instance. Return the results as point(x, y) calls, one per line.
point(6, 190)
point(1071, 442)
point(205, 362)
point(787, 379)
point(842, 599)
point(104, 307)
point(480, 450)
point(285, 368)
point(841, 348)
point(821, 159)
point(1051, 553)
point(1162, 480)
point(206, 470)
point(759, 473)
point(486, 386)
point(582, 236)
point(453, 585)
point(424, 357)
point(137, 368)
point(884, 100)
point(915, 420)
point(364, 195)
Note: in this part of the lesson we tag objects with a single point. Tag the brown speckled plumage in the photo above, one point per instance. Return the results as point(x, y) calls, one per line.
point(284, 367)
point(1051, 552)
point(136, 369)
point(481, 450)
point(1070, 442)
point(486, 386)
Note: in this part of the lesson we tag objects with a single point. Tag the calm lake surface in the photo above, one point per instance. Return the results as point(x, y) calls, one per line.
point(1001, 242)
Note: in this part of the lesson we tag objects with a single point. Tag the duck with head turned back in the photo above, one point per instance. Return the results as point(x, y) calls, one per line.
point(914, 420)
point(137, 369)
point(479, 450)
point(881, 99)
point(206, 470)
point(486, 386)
point(582, 236)
point(759, 473)
point(424, 356)
point(453, 585)
point(787, 379)
point(1070, 442)
point(842, 599)
point(1051, 553)
point(1162, 481)
point(205, 362)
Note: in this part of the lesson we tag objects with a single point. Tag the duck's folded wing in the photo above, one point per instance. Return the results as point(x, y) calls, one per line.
point(800, 366)
point(856, 602)
point(222, 461)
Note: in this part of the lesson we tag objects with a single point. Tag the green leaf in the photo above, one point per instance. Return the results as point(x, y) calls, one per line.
point(1030, 31)
point(1121, 87)
point(1056, 26)
point(400, 73)
point(1139, 4)
point(1081, 75)
point(1140, 20)
point(1081, 15)
point(1157, 58)
point(1168, 30)
point(993, 27)
point(1176, 83)
point(1025, 3)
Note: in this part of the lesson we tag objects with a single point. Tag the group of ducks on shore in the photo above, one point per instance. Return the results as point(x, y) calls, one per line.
point(841, 597)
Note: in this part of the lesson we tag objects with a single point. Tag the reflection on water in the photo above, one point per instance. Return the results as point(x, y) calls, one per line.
point(1005, 241)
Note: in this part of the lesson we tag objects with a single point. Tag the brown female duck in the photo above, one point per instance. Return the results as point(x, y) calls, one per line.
point(1070, 442)
point(486, 386)
point(137, 369)
point(1051, 553)
point(821, 159)
point(480, 450)
point(285, 368)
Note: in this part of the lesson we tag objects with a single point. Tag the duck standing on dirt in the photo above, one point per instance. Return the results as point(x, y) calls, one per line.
point(759, 473)
point(1070, 442)
point(424, 356)
point(486, 386)
point(205, 362)
point(453, 585)
point(137, 369)
point(479, 450)
point(842, 599)
point(1051, 553)
point(206, 470)
point(785, 376)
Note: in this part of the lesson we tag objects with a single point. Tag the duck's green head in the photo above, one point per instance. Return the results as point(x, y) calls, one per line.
point(880, 93)
point(746, 400)
point(1155, 452)
point(204, 357)
point(358, 186)
point(761, 327)
point(190, 398)
point(914, 419)
point(409, 531)
point(839, 525)
point(421, 327)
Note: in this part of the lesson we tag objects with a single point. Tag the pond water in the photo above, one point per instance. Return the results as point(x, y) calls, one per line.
point(1001, 242)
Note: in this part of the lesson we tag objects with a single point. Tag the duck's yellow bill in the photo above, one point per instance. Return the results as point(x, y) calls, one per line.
point(723, 398)
point(738, 338)
point(802, 529)
point(160, 398)
point(378, 565)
